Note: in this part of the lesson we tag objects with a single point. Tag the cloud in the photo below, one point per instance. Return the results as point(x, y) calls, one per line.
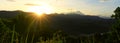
point(11, 0)
point(104, 0)
point(29, 4)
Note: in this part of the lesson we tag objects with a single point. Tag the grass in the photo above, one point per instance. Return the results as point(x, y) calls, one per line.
point(12, 39)
point(55, 39)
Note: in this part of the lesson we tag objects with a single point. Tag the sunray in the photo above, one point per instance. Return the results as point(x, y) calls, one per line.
point(38, 22)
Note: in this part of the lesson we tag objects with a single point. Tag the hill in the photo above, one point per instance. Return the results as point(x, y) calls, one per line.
point(72, 24)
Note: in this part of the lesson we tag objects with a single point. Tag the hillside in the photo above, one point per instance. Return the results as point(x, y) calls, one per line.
point(73, 24)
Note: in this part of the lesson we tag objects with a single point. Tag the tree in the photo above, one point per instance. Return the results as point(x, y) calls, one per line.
point(116, 26)
point(117, 13)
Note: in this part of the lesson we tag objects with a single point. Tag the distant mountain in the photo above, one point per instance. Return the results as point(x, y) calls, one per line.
point(10, 14)
point(82, 24)
point(71, 23)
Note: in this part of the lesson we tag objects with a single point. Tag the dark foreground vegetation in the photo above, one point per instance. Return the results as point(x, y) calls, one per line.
point(26, 27)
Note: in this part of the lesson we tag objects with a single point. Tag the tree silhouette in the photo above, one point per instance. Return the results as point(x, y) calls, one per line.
point(116, 26)
point(117, 13)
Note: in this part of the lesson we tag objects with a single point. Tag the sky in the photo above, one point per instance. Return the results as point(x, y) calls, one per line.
point(88, 7)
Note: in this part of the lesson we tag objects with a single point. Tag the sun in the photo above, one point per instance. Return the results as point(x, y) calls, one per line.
point(39, 10)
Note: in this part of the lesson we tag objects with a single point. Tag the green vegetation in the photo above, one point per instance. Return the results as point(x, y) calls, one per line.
point(28, 28)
